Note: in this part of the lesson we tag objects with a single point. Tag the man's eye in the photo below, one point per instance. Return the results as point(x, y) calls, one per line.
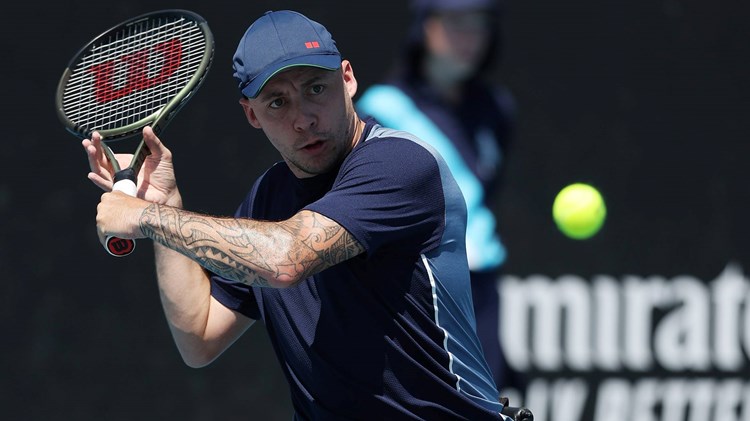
point(276, 103)
point(317, 89)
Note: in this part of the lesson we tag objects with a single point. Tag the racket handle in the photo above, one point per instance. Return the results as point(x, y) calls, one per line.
point(124, 182)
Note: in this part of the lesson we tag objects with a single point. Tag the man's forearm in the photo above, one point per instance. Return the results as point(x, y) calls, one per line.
point(184, 289)
point(257, 253)
point(222, 245)
point(201, 327)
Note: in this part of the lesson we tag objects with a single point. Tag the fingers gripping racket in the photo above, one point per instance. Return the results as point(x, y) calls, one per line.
point(138, 73)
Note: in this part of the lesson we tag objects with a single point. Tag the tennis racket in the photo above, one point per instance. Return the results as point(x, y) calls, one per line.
point(138, 73)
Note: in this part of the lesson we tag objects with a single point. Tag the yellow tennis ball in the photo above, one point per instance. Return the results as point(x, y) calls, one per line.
point(579, 211)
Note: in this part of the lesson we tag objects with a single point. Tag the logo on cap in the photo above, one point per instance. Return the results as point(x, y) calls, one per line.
point(312, 44)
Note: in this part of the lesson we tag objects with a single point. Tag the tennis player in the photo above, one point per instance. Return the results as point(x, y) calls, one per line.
point(351, 250)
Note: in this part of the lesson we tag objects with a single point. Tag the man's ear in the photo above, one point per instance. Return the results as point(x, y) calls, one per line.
point(249, 113)
point(350, 82)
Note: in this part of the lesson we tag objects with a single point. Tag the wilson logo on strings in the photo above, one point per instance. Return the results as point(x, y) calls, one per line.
point(165, 56)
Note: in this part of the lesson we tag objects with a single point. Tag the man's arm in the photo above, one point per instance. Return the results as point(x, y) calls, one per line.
point(257, 253)
point(201, 327)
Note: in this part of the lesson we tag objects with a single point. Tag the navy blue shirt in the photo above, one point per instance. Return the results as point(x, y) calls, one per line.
point(389, 334)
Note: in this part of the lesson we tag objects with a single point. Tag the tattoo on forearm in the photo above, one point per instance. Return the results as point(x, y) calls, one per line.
point(252, 251)
point(329, 241)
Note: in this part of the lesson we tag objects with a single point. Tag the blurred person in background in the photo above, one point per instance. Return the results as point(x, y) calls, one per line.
point(440, 90)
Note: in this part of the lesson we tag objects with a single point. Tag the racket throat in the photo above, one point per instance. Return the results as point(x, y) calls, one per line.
point(125, 181)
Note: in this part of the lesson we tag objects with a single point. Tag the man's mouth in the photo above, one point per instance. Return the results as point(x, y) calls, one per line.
point(314, 146)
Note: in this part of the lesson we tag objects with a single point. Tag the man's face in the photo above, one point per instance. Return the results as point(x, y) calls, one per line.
point(308, 115)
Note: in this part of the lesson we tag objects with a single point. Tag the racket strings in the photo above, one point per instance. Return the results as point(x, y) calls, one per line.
point(133, 74)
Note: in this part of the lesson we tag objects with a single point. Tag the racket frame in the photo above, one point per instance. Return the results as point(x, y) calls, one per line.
point(126, 179)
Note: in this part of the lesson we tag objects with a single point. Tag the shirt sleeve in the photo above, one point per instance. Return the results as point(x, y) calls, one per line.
point(388, 194)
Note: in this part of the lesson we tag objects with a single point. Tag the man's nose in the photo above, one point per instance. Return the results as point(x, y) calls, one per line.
point(305, 118)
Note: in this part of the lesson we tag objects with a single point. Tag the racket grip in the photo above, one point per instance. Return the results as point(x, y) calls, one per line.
point(124, 182)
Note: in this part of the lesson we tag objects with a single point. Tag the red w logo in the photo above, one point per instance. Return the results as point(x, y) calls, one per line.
point(137, 70)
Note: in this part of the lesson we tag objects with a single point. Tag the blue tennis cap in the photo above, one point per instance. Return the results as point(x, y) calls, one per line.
point(277, 41)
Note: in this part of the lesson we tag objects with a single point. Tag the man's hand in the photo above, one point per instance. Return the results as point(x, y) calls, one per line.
point(156, 179)
point(118, 215)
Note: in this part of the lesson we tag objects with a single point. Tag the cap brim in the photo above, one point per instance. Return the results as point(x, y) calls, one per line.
point(323, 61)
